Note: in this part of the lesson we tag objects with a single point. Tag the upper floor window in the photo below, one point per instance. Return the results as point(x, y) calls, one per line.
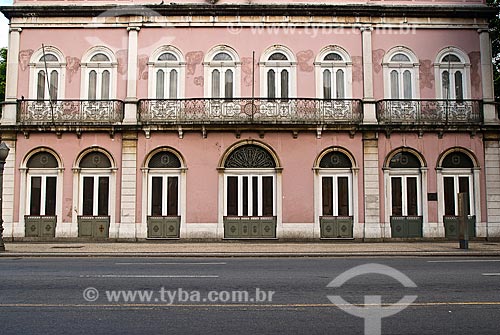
point(278, 73)
point(452, 74)
point(99, 75)
point(334, 73)
point(222, 73)
point(400, 73)
point(47, 70)
point(166, 70)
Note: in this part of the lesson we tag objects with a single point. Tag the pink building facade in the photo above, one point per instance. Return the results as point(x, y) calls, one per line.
point(237, 120)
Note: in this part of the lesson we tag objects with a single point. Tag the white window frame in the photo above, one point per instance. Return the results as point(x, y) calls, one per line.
point(278, 66)
point(320, 65)
point(463, 66)
point(335, 175)
point(404, 174)
point(259, 173)
point(413, 66)
point(44, 175)
point(87, 66)
point(96, 174)
point(36, 65)
point(456, 174)
point(164, 175)
point(154, 65)
point(209, 65)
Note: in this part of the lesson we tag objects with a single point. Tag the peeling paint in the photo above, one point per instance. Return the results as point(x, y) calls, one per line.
point(143, 67)
point(198, 81)
point(193, 58)
point(377, 57)
point(121, 56)
point(426, 74)
point(357, 68)
point(73, 66)
point(246, 68)
point(475, 76)
point(304, 60)
point(24, 58)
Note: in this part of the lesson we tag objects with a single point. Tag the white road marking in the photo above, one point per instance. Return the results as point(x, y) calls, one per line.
point(466, 261)
point(149, 276)
point(219, 263)
point(491, 274)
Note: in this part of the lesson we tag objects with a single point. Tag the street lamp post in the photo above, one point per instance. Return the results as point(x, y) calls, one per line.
point(4, 152)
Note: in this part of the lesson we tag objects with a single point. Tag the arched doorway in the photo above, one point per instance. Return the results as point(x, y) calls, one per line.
point(250, 192)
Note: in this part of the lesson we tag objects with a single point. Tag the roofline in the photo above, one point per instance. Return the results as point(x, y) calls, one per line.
point(172, 9)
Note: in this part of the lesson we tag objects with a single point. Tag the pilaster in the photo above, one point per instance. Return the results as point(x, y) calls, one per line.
point(10, 107)
point(131, 99)
point(370, 116)
point(371, 186)
point(489, 109)
point(128, 217)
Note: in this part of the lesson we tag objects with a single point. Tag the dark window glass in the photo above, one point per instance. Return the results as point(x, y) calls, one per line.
point(459, 87)
point(457, 159)
point(50, 197)
point(228, 85)
point(92, 85)
point(232, 196)
point(271, 84)
point(397, 201)
point(88, 195)
point(449, 196)
point(105, 85)
point(216, 84)
point(103, 198)
point(173, 191)
point(40, 90)
point(335, 159)
point(404, 160)
point(160, 82)
point(267, 196)
point(245, 196)
point(255, 196)
point(54, 78)
point(284, 84)
point(327, 84)
point(327, 195)
point(173, 85)
point(36, 195)
point(343, 196)
point(463, 187)
point(411, 194)
point(156, 195)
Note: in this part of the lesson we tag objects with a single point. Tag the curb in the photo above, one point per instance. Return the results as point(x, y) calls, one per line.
point(255, 254)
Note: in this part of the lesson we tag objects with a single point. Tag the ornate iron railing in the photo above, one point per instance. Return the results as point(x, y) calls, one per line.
point(432, 112)
point(247, 110)
point(36, 112)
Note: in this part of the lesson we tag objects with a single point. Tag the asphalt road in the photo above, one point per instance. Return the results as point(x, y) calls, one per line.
point(249, 295)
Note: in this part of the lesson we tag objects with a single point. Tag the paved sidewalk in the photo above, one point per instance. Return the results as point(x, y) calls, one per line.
point(249, 249)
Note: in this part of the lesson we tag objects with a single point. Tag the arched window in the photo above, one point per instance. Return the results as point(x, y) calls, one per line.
point(222, 70)
point(404, 182)
point(42, 198)
point(334, 72)
point(336, 203)
point(99, 75)
point(166, 73)
point(400, 70)
point(47, 87)
point(278, 73)
point(164, 190)
point(250, 193)
point(452, 75)
point(457, 173)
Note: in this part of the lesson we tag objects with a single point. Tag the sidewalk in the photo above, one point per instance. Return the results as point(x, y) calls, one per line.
point(249, 249)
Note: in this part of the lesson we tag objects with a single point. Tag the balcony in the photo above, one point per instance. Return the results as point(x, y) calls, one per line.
point(250, 111)
point(69, 112)
point(430, 112)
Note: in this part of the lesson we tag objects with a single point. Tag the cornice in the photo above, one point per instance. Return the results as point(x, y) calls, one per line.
point(370, 10)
